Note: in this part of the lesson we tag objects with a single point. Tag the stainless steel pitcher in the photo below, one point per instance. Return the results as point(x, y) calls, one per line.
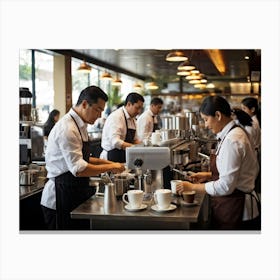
point(110, 200)
point(25, 178)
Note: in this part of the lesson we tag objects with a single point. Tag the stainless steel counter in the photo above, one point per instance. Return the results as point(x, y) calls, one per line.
point(184, 217)
point(26, 191)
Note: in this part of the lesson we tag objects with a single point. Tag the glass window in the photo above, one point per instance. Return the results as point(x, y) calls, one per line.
point(25, 75)
point(44, 84)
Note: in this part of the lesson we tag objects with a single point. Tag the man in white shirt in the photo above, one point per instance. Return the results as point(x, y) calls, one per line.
point(148, 121)
point(234, 168)
point(119, 131)
point(68, 160)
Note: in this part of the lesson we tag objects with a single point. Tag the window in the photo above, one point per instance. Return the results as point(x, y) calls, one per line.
point(44, 90)
point(25, 69)
point(43, 97)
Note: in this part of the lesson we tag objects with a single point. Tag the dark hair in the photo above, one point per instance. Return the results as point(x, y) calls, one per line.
point(134, 97)
point(156, 101)
point(252, 102)
point(49, 124)
point(212, 104)
point(91, 94)
point(242, 117)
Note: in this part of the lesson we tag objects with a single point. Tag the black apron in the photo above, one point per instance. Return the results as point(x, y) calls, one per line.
point(155, 125)
point(227, 210)
point(71, 191)
point(118, 155)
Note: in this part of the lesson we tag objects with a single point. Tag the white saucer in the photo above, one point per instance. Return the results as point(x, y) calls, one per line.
point(142, 207)
point(184, 203)
point(170, 208)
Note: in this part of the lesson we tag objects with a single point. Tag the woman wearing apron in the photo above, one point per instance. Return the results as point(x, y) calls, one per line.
point(119, 131)
point(233, 166)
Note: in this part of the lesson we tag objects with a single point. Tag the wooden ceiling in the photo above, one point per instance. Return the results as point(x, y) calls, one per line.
point(150, 64)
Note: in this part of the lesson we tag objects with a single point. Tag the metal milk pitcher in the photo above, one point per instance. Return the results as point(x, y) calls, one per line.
point(110, 200)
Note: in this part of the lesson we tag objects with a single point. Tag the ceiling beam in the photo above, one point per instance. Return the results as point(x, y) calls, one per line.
point(98, 62)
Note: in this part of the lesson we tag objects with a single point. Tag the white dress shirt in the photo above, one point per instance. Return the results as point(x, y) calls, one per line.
point(237, 165)
point(114, 130)
point(63, 153)
point(256, 126)
point(145, 124)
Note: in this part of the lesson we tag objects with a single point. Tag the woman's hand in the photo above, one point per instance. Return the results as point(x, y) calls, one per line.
point(184, 186)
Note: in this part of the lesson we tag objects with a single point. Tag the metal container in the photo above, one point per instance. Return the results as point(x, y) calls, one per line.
point(121, 183)
point(110, 201)
point(25, 178)
point(193, 118)
point(180, 122)
point(167, 134)
point(167, 123)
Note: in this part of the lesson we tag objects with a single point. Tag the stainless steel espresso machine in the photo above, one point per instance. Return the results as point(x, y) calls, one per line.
point(25, 122)
point(148, 163)
point(31, 139)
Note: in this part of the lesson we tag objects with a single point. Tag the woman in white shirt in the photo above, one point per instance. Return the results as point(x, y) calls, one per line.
point(244, 120)
point(233, 169)
point(251, 107)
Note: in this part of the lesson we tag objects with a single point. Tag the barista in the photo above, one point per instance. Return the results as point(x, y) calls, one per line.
point(119, 131)
point(233, 169)
point(148, 121)
point(68, 161)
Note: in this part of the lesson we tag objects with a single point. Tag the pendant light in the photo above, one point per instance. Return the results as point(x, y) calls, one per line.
point(106, 76)
point(137, 86)
point(186, 66)
point(152, 86)
point(117, 81)
point(176, 56)
point(183, 73)
point(84, 67)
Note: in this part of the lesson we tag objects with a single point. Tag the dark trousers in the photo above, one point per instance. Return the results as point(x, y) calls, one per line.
point(49, 217)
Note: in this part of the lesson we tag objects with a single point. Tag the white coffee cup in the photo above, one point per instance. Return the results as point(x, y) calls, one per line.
point(156, 138)
point(163, 198)
point(135, 198)
point(174, 183)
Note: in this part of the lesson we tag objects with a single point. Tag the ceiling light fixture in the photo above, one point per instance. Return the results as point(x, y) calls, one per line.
point(193, 77)
point(194, 82)
point(137, 86)
point(106, 76)
point(152, 86)
point(183, 73)
point(176, 56)
point(201, 86)
point(84, 67)
point(186, 66)
point(117, 81)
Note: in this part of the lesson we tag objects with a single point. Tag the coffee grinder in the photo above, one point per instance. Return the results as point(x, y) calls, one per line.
point(25, 123)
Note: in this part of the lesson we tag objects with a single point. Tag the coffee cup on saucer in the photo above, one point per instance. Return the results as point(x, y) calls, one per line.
point(135, 198)
point(188, 196)
point(163, 198)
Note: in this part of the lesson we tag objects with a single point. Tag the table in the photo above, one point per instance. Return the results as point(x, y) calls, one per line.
point(182, 218)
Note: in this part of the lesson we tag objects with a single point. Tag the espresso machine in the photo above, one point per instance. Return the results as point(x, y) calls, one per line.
point(149, 164)
point(25, 123)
